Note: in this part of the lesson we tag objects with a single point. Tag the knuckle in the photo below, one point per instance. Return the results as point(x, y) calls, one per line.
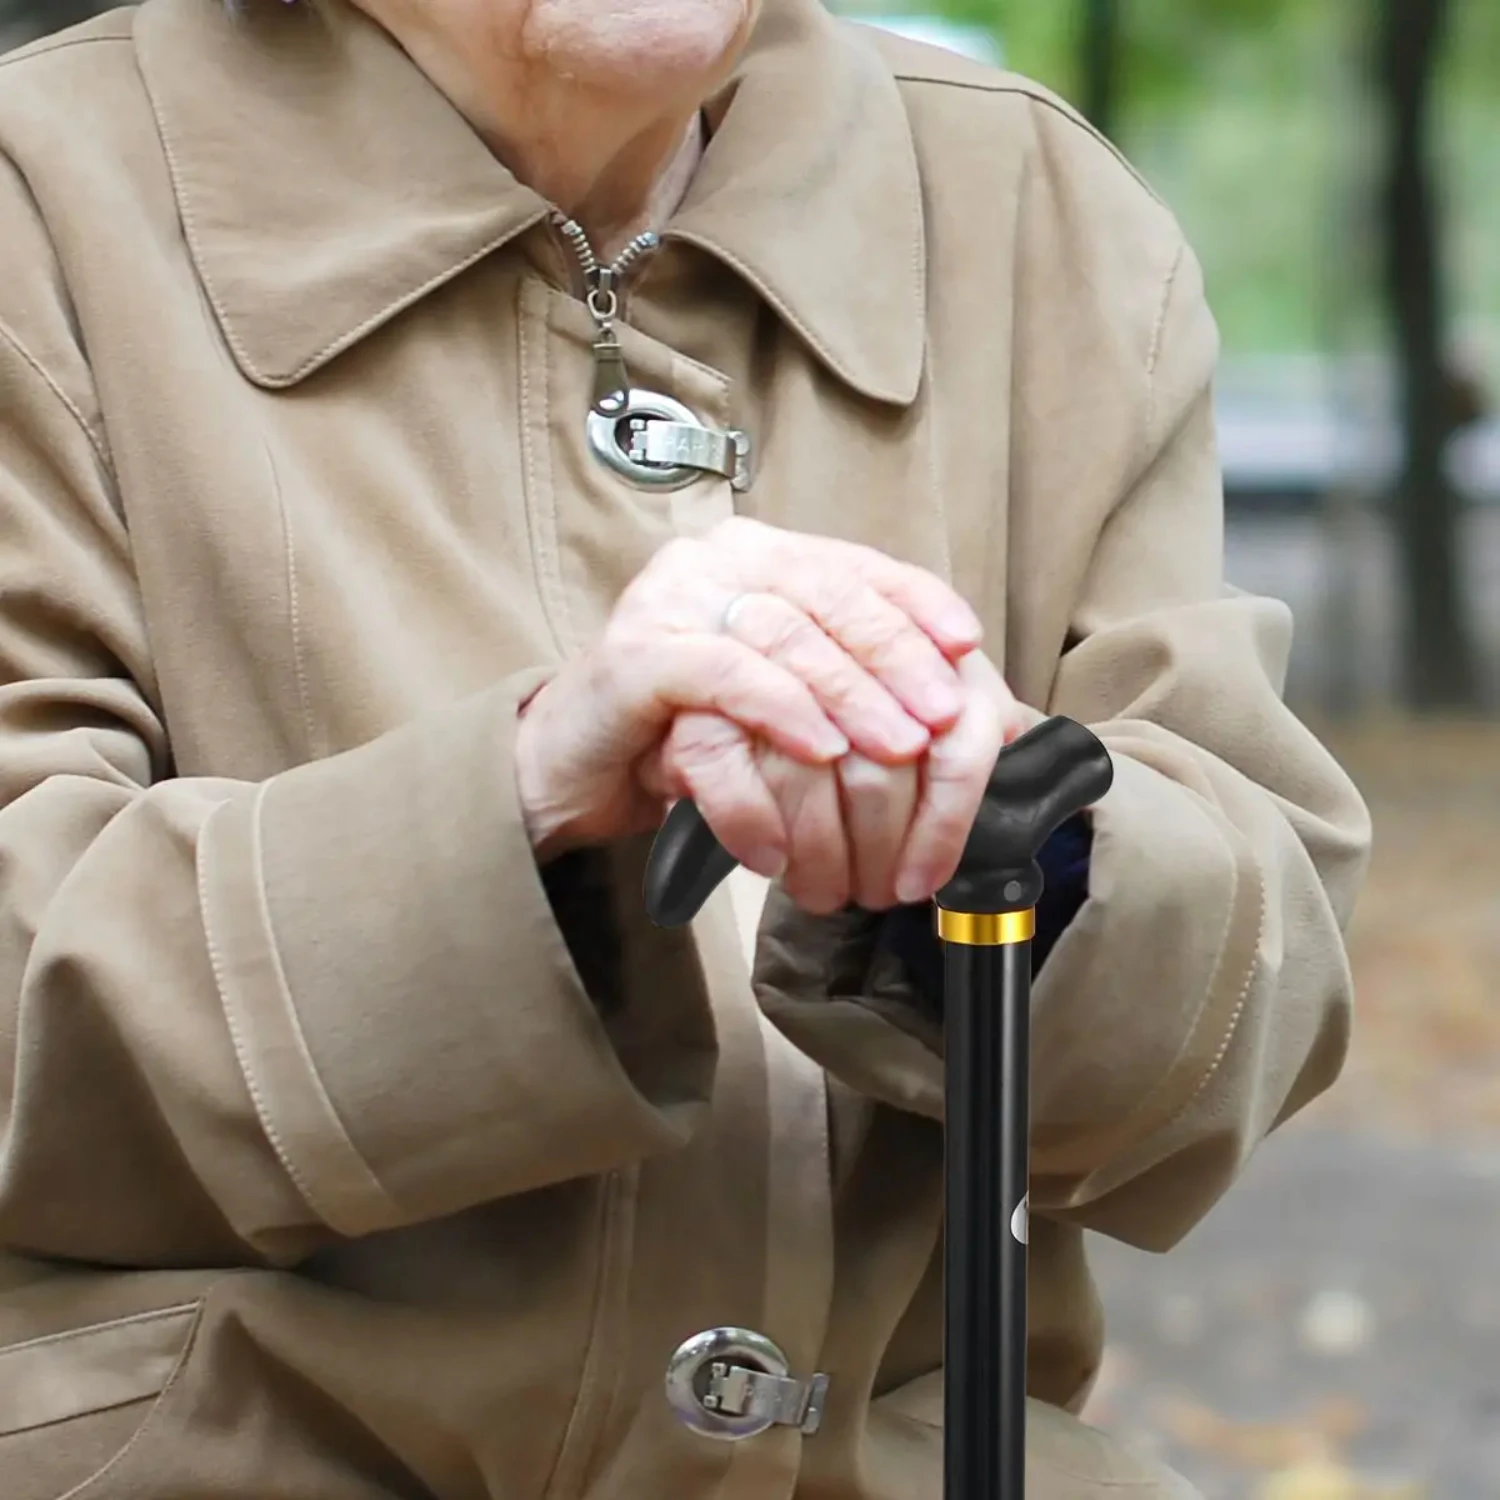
point(895, 643)
point(878, 630)
point(763, 622)
point(799, 644)
point(845, 688)
point(845, 596)
point(866, 779)
point(703, 741)
point(950, 771)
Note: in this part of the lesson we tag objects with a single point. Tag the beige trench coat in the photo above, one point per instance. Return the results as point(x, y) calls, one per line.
point(339, 1160)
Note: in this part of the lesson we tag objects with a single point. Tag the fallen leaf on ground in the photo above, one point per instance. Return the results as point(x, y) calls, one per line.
point(1321, 1480)
point(1316, 1480)
point(1287, 1445)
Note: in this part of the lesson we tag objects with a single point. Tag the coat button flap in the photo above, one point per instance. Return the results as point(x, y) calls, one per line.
point(657, 443)
point(733, 1383)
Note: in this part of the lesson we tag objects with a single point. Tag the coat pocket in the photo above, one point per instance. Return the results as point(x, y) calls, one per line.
point(72, 1403)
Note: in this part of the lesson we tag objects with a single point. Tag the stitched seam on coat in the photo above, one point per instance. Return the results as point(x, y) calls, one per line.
point(529, 479)
point(52, 1340)
point(244, 1052)
point(1232, 1027)
point(67, 402)
point(541, 507)
point(1200, 1018)
point(548, 500)
point(45, 47)
point(719, 252)
point(1037, 95)
point(1141, 1117)
point(918, 247)
point(149, 687)
point(1158, 338)
point(130, 1359)
point(399, 304)
point(371, 1185)
point(1148, 1117)
point(149, 1425)
point(580, 1434)
point(344, 340)
point(236, 1036)
point(294, 605)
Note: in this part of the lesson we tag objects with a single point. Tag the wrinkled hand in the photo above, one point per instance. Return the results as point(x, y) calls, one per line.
point(860, 831)
point(823, 704)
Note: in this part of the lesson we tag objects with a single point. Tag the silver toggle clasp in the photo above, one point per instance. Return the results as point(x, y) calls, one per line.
point(684, 445)
point(732, 1383)
point(657, 443)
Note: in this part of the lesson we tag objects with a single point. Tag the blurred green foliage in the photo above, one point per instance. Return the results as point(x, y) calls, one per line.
point(1255, 120)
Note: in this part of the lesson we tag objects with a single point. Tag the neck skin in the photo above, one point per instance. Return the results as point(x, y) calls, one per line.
point(595, 106)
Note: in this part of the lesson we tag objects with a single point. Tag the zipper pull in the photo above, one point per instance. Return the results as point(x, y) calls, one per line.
point(611, 378)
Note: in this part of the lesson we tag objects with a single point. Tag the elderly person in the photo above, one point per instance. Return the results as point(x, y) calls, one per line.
point(434, 435)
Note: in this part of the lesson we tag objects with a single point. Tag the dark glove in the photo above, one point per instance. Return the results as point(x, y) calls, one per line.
point(907, 931)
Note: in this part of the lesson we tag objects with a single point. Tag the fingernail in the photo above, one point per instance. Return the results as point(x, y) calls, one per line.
point(942, 701)
point(833, 744)
point(963, 623)
point(905, 736)
point(911, 888)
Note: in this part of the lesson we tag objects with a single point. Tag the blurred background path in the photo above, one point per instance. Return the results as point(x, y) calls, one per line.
point(1332, 1331)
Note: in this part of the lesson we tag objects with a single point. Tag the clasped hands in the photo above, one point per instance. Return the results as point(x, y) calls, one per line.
point(828, 708)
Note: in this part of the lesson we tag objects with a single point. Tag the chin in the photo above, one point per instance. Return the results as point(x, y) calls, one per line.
point(638, 44)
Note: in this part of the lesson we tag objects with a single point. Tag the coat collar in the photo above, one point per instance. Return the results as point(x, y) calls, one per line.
point(324, 184)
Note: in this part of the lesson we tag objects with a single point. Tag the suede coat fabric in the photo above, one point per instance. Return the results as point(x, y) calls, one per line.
point(344, 1153)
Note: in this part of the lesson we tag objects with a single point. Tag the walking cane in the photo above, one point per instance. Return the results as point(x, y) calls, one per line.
point(985, 919)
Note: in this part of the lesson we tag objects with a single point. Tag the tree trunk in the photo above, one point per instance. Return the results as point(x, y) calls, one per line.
point(1099, 58)
point(1438, 667)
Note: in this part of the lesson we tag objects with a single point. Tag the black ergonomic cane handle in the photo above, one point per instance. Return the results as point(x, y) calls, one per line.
point(985, 920)
point(1039, 781)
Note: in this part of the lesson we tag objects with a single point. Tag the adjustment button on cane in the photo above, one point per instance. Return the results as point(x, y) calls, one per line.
point(1020, 1221)
point(732, 1383)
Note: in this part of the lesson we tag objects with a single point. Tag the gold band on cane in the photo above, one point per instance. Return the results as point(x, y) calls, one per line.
point(979, 929)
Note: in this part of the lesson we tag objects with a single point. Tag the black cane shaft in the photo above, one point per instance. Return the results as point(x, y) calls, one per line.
point(986, 918)
point(987, 1145)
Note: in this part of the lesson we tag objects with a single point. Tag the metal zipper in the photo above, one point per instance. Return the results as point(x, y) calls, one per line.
point(602, 298)
point(667, 447)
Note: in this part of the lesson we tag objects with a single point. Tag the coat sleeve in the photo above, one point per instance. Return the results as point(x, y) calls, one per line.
point(1201, 995)
point(239, 1020)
